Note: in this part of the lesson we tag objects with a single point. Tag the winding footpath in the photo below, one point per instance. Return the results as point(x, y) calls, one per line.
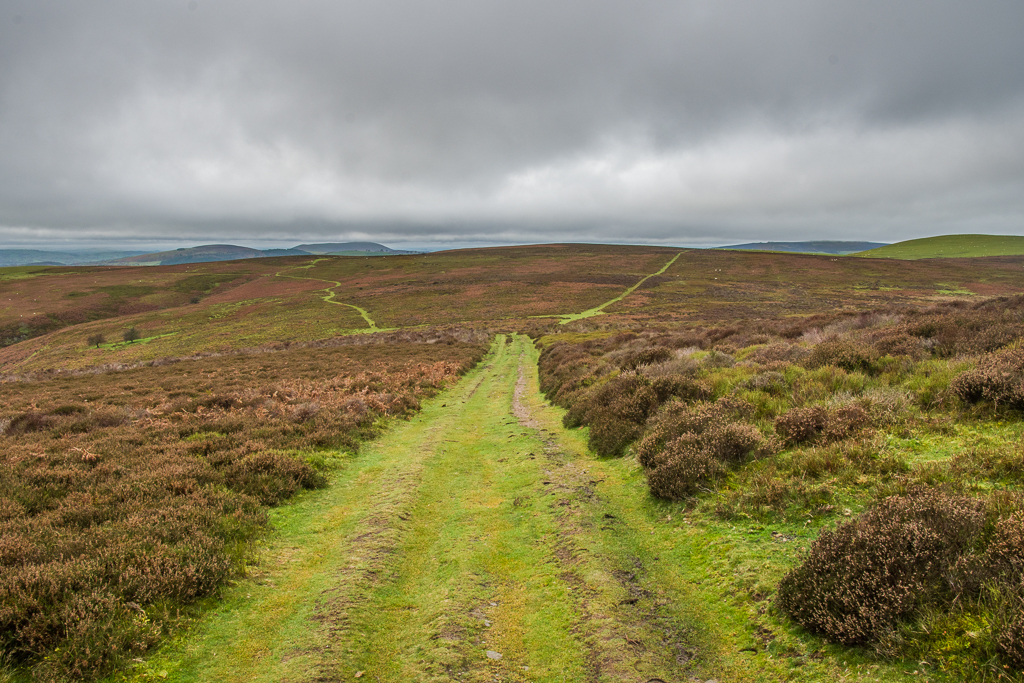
point(371, 326)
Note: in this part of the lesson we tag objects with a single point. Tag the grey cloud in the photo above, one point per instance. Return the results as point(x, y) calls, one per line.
point(459, 120)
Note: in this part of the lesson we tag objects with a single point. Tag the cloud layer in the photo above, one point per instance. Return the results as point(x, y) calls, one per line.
point(460, 121)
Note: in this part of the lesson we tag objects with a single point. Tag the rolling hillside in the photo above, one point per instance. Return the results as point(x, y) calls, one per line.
point(809, 247)
point(639, 482)
point(49, 312)
point(950, 246)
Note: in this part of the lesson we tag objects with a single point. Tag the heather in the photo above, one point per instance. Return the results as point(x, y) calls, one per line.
point(872, 426)
point(756, 467)
point(126, 496)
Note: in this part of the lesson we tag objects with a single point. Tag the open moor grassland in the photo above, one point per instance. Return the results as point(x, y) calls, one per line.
point(749, 467)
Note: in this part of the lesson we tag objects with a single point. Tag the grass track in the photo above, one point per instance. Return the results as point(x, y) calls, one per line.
point(598, 310)
point(371, 326)
point(481, 525)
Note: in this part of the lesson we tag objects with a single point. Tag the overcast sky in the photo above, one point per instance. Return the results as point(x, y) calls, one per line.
point(450, 122)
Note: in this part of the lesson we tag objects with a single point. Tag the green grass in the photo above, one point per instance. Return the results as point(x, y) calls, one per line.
point(951, 246)
point(140, 340)
point(471, 528)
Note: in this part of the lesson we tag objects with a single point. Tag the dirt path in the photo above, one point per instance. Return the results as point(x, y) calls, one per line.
point(466, 544)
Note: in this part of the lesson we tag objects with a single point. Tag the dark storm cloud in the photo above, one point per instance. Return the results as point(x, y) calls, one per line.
point(462, 121)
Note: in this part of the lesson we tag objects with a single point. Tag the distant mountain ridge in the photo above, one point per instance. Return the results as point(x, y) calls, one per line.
point(349, 247)
point(837, 247)
point(202, 254)
point(37, 257)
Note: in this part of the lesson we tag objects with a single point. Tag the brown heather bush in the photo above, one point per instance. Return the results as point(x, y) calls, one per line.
point(682, 387)
point(801, 425)
point(615, 411)
point(690, 446)
point(564, 368)
point(1011, 637)
point(926, 549)
point(998, 379)
point(690, 461)
point(677, 418)
point(683, 466)
point(842, 353)
point(124, 496)
point(899, 342)
point(821, 423)
point(717, 359)
point(634, 359)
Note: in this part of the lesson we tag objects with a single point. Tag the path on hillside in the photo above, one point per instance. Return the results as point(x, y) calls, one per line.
point(598, 310)
point(329, 297)
point(465, 544)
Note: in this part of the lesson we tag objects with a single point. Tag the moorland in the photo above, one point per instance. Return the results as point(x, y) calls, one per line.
point(558, 462)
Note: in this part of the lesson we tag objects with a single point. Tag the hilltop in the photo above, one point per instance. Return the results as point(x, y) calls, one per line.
point(810, 247)
point(950, 246)
point(349, 249)
point(204, 254)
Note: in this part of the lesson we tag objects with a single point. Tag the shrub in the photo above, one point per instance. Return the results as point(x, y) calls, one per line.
point(899, 343)
point(609, 435)
point(841, 353)
point(675, 367)
point(647, 356)
point(676, 419)
point(615, 412)
point(682, 467)
point(818, 423)
point(271, 477)
point(688, 446)
point(681, 387)
point(693, 459)
point(779, 352)
point(998, 378)
point(1010, 638)
point(865, 576)
point(717, 359)
point(800, 425)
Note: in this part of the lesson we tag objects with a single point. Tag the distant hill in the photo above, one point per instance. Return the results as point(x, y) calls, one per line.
point(350, 248)
point(230, 252)
point(204, 254)
point(951, 246)
point(36, 257)
point(812, 247)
